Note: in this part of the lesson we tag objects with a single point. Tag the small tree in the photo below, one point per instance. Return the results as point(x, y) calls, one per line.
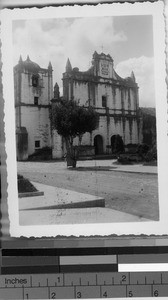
point(71, 121)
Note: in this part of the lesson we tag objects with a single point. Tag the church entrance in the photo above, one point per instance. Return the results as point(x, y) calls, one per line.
point(117, 144)
point(98, 144)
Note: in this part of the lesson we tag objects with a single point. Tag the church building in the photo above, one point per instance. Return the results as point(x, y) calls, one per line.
point(114, 98)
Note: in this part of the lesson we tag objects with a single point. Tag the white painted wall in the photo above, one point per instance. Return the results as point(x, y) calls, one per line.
point(80, 92)
point(36, 121)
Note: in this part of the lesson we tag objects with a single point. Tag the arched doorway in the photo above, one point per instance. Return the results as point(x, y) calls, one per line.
point(117, 144)
point(98, 144)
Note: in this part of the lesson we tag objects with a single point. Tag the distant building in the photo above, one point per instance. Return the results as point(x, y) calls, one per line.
point(33, 87)
point(148, 115)
point(114, 98)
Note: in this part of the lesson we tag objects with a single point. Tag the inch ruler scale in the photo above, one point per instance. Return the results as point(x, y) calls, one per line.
point(49, 273)
point(84, 285)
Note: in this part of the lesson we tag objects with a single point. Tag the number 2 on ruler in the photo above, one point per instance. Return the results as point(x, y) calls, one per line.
point(53, 295)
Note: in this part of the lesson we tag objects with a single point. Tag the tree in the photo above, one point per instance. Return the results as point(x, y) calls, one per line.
point(117, 144)
point(71, 121)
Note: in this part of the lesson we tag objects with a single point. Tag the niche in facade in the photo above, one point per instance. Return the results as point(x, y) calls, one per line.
point(35, 80)
point(98, 144)
point(104, 101)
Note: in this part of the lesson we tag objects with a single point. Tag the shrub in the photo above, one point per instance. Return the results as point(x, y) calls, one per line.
point(24, 185)
point(151, 154)
point(44, 153)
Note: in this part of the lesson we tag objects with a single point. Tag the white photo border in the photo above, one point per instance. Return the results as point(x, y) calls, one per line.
point(155, 9)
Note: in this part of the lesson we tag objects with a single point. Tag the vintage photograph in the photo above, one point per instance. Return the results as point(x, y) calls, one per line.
point(85, 112)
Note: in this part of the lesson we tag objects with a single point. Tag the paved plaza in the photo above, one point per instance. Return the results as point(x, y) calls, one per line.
point(96, 191)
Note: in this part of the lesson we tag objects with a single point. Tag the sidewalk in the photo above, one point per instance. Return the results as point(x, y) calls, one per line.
point(57, 207)
point(136, 168)
point(58, 198)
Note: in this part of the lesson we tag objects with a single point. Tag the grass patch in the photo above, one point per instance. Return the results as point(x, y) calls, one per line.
point(24, 185)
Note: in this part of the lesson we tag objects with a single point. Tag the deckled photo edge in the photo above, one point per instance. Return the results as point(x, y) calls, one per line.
point(77, 230)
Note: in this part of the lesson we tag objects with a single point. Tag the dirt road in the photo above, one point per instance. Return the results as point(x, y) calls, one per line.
point(136, 194)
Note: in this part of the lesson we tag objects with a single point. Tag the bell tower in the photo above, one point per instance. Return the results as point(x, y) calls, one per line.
point(103, 65)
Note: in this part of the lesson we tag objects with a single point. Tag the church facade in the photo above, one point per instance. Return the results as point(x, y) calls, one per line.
point(114, 98)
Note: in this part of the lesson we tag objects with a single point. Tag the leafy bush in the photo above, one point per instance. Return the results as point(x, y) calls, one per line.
point(151, 154)
point(142, 150)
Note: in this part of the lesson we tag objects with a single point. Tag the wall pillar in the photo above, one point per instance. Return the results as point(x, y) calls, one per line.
point(22, 143)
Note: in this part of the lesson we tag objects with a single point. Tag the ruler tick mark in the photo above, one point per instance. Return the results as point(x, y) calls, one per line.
point(74, 292)
point(48, 292)
point(151, 290)
point(101, 291)
point(23, 291)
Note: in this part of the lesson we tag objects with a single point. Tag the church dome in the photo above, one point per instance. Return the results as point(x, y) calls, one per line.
point(29, 65)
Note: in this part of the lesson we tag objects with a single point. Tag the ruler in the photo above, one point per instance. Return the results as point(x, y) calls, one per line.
point(84, 285)
point(52, 273)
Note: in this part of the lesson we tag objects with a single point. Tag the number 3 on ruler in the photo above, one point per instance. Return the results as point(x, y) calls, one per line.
point(78, 295)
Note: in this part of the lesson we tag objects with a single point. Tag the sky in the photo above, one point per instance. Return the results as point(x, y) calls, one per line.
point(128, 39)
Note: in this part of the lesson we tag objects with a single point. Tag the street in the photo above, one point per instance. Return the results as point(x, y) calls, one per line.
point(133, 193)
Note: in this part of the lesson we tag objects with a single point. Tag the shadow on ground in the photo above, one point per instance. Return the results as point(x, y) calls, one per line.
point(98, 168)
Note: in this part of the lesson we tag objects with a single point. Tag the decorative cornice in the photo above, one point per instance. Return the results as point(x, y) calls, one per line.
point(33, 105)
